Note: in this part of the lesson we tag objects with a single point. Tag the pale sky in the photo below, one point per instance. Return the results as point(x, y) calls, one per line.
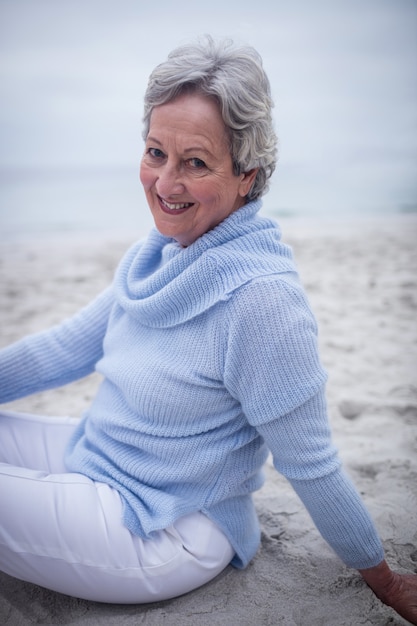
point(343, 76)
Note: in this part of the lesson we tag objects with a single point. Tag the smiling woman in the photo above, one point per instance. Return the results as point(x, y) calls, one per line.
point(187, 170)
point(208, 351)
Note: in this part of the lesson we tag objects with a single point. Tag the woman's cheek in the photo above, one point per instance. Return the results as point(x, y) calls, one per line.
point(146, 176)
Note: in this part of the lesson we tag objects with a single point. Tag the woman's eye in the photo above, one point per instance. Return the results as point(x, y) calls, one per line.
point(197, 164)
point(155, 153)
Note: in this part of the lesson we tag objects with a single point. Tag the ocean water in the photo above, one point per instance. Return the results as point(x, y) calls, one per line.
point(47, 203)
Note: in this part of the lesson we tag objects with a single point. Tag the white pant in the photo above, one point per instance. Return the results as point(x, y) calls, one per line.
point(64, 532)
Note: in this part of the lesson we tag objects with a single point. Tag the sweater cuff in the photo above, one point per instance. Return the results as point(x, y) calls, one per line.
point(342, 519)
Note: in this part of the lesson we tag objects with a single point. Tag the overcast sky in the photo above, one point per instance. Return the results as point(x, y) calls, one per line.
point(343, 75)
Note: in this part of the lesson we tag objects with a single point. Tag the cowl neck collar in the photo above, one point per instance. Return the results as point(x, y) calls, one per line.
point(162, 284)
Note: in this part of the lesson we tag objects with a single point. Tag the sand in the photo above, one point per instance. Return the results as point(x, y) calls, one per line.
point(361, 278)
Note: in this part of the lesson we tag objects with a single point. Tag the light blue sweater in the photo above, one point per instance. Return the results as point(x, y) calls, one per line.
point(209, 358)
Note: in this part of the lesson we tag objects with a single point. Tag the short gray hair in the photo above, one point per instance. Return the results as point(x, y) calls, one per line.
point(235, 77)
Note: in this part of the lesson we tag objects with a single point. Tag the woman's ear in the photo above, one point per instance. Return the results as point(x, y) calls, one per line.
point(247, 180)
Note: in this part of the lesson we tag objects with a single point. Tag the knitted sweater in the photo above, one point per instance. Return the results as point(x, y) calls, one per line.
point(209, 360)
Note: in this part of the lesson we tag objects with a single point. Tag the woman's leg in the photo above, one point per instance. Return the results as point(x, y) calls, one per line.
point(34, 441)
point(64, 532)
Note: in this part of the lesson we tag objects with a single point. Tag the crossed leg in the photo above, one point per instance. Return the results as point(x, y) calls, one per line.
point(64, 531)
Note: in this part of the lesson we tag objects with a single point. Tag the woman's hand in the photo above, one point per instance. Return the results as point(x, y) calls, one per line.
point(398, 591)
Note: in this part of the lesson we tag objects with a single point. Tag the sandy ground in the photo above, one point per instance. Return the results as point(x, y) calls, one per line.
point(361, 276)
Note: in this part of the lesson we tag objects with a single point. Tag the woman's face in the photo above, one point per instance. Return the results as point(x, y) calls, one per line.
point(186, 170)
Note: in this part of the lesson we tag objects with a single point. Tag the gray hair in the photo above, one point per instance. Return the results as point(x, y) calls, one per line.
point(235, 77)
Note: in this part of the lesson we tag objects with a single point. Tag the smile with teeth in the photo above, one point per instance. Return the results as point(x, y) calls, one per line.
point(175, 206)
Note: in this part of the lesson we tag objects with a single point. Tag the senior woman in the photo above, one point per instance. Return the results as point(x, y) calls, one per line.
point(208, 352)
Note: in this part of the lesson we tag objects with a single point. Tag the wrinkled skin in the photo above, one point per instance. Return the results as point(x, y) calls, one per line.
point(399, 591)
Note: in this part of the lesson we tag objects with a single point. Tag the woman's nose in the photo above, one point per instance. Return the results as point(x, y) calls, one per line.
point(169, 181)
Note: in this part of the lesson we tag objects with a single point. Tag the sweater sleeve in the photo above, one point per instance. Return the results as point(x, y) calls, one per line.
point(273, 369)
point(302, 451)
point(272, 363)
point(57, 356)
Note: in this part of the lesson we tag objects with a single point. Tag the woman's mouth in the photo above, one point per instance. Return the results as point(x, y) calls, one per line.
point(174, 207)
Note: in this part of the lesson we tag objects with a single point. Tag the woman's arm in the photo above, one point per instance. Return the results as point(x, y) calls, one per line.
point(273, 368)
point(56, 356)
point(302, 451)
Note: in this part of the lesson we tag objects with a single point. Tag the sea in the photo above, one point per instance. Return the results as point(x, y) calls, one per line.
point(47, 203)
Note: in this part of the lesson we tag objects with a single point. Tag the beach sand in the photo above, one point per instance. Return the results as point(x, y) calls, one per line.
point(361, 277)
